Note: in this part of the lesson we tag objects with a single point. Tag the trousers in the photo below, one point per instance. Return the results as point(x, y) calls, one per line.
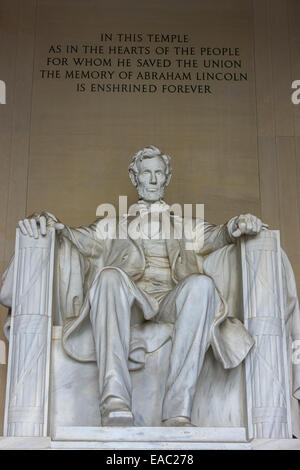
point(191, 307)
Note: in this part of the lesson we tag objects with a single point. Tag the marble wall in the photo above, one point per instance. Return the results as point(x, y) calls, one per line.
point(237, 151)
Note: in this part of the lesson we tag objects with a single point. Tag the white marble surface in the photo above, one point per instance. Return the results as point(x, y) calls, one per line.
point(26, 407)
point(73, 382)
point(152, 445)
point(25, 443)
point(45, 443)
point(267, 384)
point(149, 434)
point(275, 444)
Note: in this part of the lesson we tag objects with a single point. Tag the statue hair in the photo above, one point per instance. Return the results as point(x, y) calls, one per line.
point(150, 152)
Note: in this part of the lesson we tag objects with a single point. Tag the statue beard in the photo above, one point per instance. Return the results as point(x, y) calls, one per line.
point(151, 196)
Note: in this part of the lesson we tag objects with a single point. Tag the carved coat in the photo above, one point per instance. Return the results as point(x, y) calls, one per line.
point(230, 340)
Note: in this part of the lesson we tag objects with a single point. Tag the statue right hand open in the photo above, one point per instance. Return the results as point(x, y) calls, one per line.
point(36, 224)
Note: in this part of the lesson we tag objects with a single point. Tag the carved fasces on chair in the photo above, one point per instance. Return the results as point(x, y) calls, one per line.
point(26, 410)
point(267, 386)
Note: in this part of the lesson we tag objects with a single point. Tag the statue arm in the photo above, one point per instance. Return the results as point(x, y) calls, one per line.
point(215, 237)
point(7, 283)
point(86, 239)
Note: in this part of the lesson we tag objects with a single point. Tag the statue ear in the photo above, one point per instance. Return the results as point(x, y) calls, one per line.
point(132, 177)
point(168, 179)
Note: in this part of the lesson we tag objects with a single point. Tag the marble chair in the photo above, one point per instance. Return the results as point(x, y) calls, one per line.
point(47, 391)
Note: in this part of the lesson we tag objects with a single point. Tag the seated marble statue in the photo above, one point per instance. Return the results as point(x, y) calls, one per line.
point(161, 277)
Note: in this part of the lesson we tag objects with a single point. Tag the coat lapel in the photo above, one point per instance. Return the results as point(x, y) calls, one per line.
point(123, 229)
point(173, 243)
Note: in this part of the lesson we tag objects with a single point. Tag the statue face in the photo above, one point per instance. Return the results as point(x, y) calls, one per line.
point(151, 179)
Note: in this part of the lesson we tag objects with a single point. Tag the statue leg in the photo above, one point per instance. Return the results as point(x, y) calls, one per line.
point(196, 305)
point(110, 311)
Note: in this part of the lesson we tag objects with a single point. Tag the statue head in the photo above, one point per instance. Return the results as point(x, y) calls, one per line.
point(150, 172)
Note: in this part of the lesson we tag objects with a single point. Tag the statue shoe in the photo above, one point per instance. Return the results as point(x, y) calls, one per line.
point(178, 421)
point(114, 412)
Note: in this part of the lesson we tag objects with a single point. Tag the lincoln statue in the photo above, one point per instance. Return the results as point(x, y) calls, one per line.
point(151, 280)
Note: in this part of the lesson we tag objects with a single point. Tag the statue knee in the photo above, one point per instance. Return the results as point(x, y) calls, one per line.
point(196, 295)
point(199, 282)
point(108, 278)
point(109, 284)
point(110, 275)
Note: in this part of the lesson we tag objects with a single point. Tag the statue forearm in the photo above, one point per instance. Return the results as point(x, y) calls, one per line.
point(84, 240)
point(82, 237)
point(215, 237)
